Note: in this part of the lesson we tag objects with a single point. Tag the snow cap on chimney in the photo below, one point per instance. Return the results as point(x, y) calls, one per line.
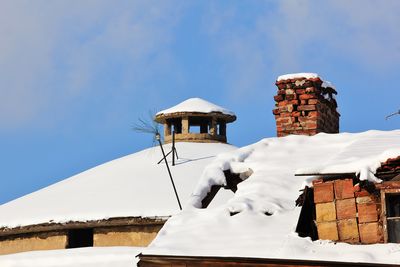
point(305, 105)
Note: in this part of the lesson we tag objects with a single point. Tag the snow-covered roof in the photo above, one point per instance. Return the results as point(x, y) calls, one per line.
point(196, 105)
point(245, 221)
point(134, 185)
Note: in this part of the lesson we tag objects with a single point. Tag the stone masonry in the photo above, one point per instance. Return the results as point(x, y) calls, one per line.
point(347, 213)
point(305, 106)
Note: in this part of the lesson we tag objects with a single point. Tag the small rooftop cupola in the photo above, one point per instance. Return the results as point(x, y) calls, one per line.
point(195, 120)
point(305, 105)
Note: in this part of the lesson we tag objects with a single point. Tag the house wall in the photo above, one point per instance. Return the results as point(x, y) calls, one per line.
point(125, 236)
point(29, 242)
point(347, 213)
point(196, 137)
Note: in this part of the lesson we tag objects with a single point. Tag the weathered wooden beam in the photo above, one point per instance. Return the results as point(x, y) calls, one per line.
point(195, 261)
point(117, 221)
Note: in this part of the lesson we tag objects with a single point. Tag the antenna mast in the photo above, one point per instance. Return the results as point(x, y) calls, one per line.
point(145, 127)
point(393, 114)
point(158, 138)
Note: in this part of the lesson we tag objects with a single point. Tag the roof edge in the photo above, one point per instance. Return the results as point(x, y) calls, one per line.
point(52, 226)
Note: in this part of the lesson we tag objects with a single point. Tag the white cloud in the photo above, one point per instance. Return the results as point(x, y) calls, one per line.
point(52, 52)
point(360, 30)
point(287, 36)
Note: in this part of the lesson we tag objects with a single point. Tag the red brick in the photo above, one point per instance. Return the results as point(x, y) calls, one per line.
point(348, 230)
point(344, 189)
point(370, 233)
point(281, 85)
point(367, 212)
point(293, 102)
point(346, 208)
point(295, 114)
point(285, 114)
point(307, 96)
point(362, 193)
point(278, 98)
point(304, 119)
point(282, 103)
point(291, 97)
point(284, 120)
point(317, 181)
point(311, 125)
point(306, 107)
point(287, 108)
point(310, 90)
point(313, 114)
point(323, 192)
point(312, 101)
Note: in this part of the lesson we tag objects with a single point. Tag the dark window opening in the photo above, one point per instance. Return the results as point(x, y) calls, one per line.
point(232, 180)
point(222, 128)
point(199, 124)
point(306, 226)
point(78, 238)
point(204, 128)
point(176, 125)
point(393, 217)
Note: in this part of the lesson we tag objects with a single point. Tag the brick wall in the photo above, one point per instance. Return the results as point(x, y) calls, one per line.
point(304, 107)
point(347, 213)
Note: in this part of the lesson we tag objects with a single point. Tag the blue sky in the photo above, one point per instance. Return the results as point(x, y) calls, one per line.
point(76, 75)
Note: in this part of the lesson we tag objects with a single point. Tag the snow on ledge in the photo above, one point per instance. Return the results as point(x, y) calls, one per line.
point(307, 75)
point(196, 105)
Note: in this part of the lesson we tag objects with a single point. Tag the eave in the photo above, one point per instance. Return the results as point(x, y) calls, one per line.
point(111, 222)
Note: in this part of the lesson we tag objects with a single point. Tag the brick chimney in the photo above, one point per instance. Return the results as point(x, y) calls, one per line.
point(305, 105)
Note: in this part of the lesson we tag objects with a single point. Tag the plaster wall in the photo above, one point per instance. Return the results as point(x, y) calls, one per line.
point(125, 236)
point(39, 241)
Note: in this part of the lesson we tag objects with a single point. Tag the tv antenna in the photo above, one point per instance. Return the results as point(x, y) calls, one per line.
point(393, 114)
point(152, 127)
point(173, 151)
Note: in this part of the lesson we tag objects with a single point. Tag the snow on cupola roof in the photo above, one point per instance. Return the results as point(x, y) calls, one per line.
point(209, 119)
point(196, 105)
